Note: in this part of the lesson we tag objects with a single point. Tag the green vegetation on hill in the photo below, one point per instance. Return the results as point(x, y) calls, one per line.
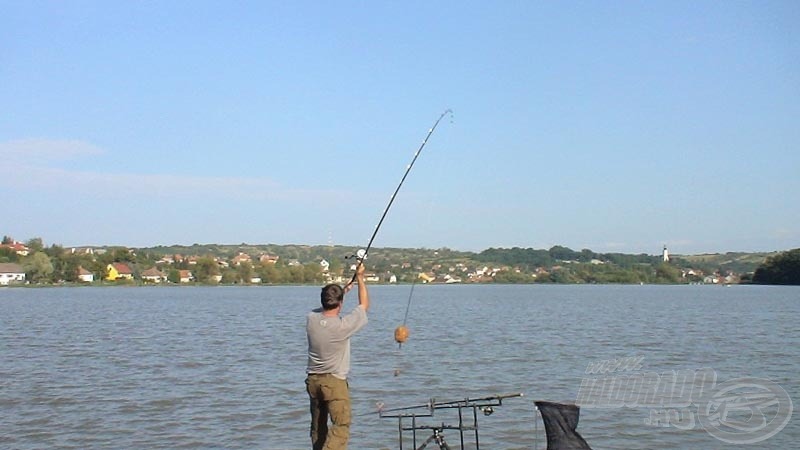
point(783, 268)
point(532, 258)
point(731, 261)
point(300, 264)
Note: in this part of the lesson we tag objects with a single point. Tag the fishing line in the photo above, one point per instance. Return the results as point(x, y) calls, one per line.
point(437, 169)
point(414, 280)
point(410, 294)
point(401, 332)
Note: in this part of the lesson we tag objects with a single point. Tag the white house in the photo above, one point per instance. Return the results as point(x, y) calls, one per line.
point(85, 276)
point(11, 273)
point(186, 276)
point(154, 275)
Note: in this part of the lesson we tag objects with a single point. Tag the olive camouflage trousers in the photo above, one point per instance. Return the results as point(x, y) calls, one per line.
point(330, 397)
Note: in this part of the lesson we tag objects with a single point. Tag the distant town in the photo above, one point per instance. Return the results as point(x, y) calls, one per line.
point(33, 263)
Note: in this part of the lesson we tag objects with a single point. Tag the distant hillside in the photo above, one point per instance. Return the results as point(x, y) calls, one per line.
point(299, 264)
point(312, 253)
point(529, 258)
point(732, 261)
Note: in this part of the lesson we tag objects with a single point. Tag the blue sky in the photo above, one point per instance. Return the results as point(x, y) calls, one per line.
point(615, 126)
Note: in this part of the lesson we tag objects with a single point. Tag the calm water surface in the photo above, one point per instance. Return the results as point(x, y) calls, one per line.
point(223, 368)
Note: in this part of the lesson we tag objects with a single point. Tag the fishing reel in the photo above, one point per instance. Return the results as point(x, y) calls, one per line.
point(360, 255)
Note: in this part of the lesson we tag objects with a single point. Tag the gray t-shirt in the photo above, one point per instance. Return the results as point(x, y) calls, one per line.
point(329, 341)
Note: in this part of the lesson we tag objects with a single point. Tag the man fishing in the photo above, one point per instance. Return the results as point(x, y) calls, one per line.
point(329, 344)
point(329, 335)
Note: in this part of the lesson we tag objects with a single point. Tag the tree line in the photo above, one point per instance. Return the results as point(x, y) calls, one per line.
point(55, 264)
point(300, 264)
point(783, 268)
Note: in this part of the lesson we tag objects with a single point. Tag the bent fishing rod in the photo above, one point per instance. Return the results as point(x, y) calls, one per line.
point(361, 255)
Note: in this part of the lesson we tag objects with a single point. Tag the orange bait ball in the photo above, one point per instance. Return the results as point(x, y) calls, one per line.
point(401, 334)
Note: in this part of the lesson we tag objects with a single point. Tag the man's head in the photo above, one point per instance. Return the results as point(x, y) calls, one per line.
point(332, 296)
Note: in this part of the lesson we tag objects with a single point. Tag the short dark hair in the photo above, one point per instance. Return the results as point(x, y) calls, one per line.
point(332, 296)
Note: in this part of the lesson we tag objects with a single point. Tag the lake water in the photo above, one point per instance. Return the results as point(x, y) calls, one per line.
point(223, 367)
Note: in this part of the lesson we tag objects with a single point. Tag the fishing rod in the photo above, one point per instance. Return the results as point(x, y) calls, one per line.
point(426, 411)
point(361, 255)
point(493, 400)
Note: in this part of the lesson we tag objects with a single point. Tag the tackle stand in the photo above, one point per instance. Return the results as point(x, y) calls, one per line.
point(486, 405)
